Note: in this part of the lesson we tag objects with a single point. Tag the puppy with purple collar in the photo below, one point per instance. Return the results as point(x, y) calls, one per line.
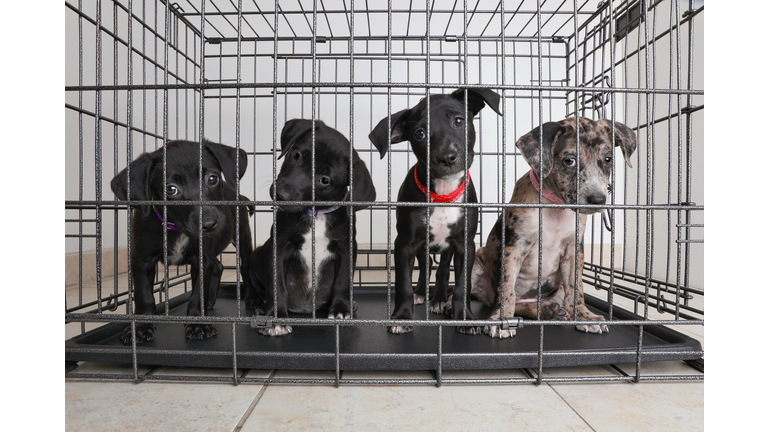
point(554, 172)
point(450, 138)
point(282, 269)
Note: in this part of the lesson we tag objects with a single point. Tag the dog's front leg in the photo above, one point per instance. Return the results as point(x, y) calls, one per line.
point(582, 313)
point(211, 269)
point(340, 305)
point(425, 271)
point(441, 301)
point(276, 297)
point(513, 261)
point(143, 273)
point(462, 309)
point(404, 259)
point(214, 282)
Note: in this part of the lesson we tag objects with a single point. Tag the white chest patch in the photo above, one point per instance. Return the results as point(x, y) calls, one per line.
point(176, 252)
point(442, 217)
point(558, 230)
point(321, 249)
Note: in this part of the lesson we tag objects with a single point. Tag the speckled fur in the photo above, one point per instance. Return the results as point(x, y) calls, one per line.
point(520, 226)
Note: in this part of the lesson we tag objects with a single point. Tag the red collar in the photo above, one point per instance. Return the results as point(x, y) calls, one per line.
point(452, 197)
point(546, 194)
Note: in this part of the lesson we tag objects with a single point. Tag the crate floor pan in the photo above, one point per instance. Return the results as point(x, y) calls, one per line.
point(371, 347)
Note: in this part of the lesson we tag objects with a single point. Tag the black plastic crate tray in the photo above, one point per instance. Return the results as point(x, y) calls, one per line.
point(373, 348)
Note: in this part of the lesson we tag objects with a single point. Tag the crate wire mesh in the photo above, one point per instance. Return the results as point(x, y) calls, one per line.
point(234, 72)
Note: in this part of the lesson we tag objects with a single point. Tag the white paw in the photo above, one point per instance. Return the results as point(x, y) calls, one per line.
point(440, 308)
point(417, 299)
point(340, 315)
point(277, 330)
point(399, 329)
point(595, 328)
point(496, 332)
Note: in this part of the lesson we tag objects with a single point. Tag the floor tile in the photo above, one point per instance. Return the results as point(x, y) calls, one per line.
point(647, 406)
point(94, 406)
point(462, 408)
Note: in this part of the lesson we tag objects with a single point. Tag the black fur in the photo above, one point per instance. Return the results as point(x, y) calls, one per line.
point(218, 224)
point(447, 157)
point(293, 225)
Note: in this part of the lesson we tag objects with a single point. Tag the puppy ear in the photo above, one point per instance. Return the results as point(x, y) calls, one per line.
point(363, 184)
point(141, 170)
point(529, 147)
point(228, 160)
point(292, 131)
point(625, 138)
point(477, 98)
point(378, 135)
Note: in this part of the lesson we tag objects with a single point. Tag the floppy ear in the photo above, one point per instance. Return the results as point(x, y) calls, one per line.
point(141, 169)
point(292, 131)
point(529, 147)
point(625, 138)
point(378, 135)
point(363, 184)
point(477, 98)
point(227, 157)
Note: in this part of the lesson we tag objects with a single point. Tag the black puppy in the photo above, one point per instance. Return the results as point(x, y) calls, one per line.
point(449, 181)
point(184, 224)
point(293, 234)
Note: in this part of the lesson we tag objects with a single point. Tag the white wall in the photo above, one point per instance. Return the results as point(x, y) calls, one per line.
point(662, 150)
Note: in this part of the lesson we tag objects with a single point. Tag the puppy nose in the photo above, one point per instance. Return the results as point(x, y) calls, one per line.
point(597, 198)
point(209, 223)
point(448, 158)
point(288, 193)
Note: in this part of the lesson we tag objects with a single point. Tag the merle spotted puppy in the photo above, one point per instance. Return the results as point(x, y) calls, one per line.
point(219, 169)
point(283, 264)
point(556, 172)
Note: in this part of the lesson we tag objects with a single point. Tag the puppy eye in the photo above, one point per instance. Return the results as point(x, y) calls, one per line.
point(569, 162)
point(420, 135)
point(458, 121)
point(172, 190)
point(296, 155)
point(607, 160)
point(213, 180)
point(325, 180)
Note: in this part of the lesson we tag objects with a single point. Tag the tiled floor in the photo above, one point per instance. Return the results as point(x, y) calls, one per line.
point(170, 405)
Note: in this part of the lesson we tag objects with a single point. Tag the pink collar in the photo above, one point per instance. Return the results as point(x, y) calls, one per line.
point(452, 197)
point(546, 194)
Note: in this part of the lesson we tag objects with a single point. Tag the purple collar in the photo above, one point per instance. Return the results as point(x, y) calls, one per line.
point(319, 212)
point(168, 224)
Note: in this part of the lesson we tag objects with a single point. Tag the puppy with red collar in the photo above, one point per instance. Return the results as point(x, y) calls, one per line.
point(555, 174)
point(450, 138)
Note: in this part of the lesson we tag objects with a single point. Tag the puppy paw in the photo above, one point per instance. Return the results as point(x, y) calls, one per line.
point(399, 329)
point(470, 330)
point(199, 331)
point(418, 299)
point(595, 328)
point(342, 311)
point(554, 312)
point(496, 332)
point(444, 308)
point(277, 330)
point(144, 333)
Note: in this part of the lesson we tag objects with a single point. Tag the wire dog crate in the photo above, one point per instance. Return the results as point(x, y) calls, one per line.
point(140, 74)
